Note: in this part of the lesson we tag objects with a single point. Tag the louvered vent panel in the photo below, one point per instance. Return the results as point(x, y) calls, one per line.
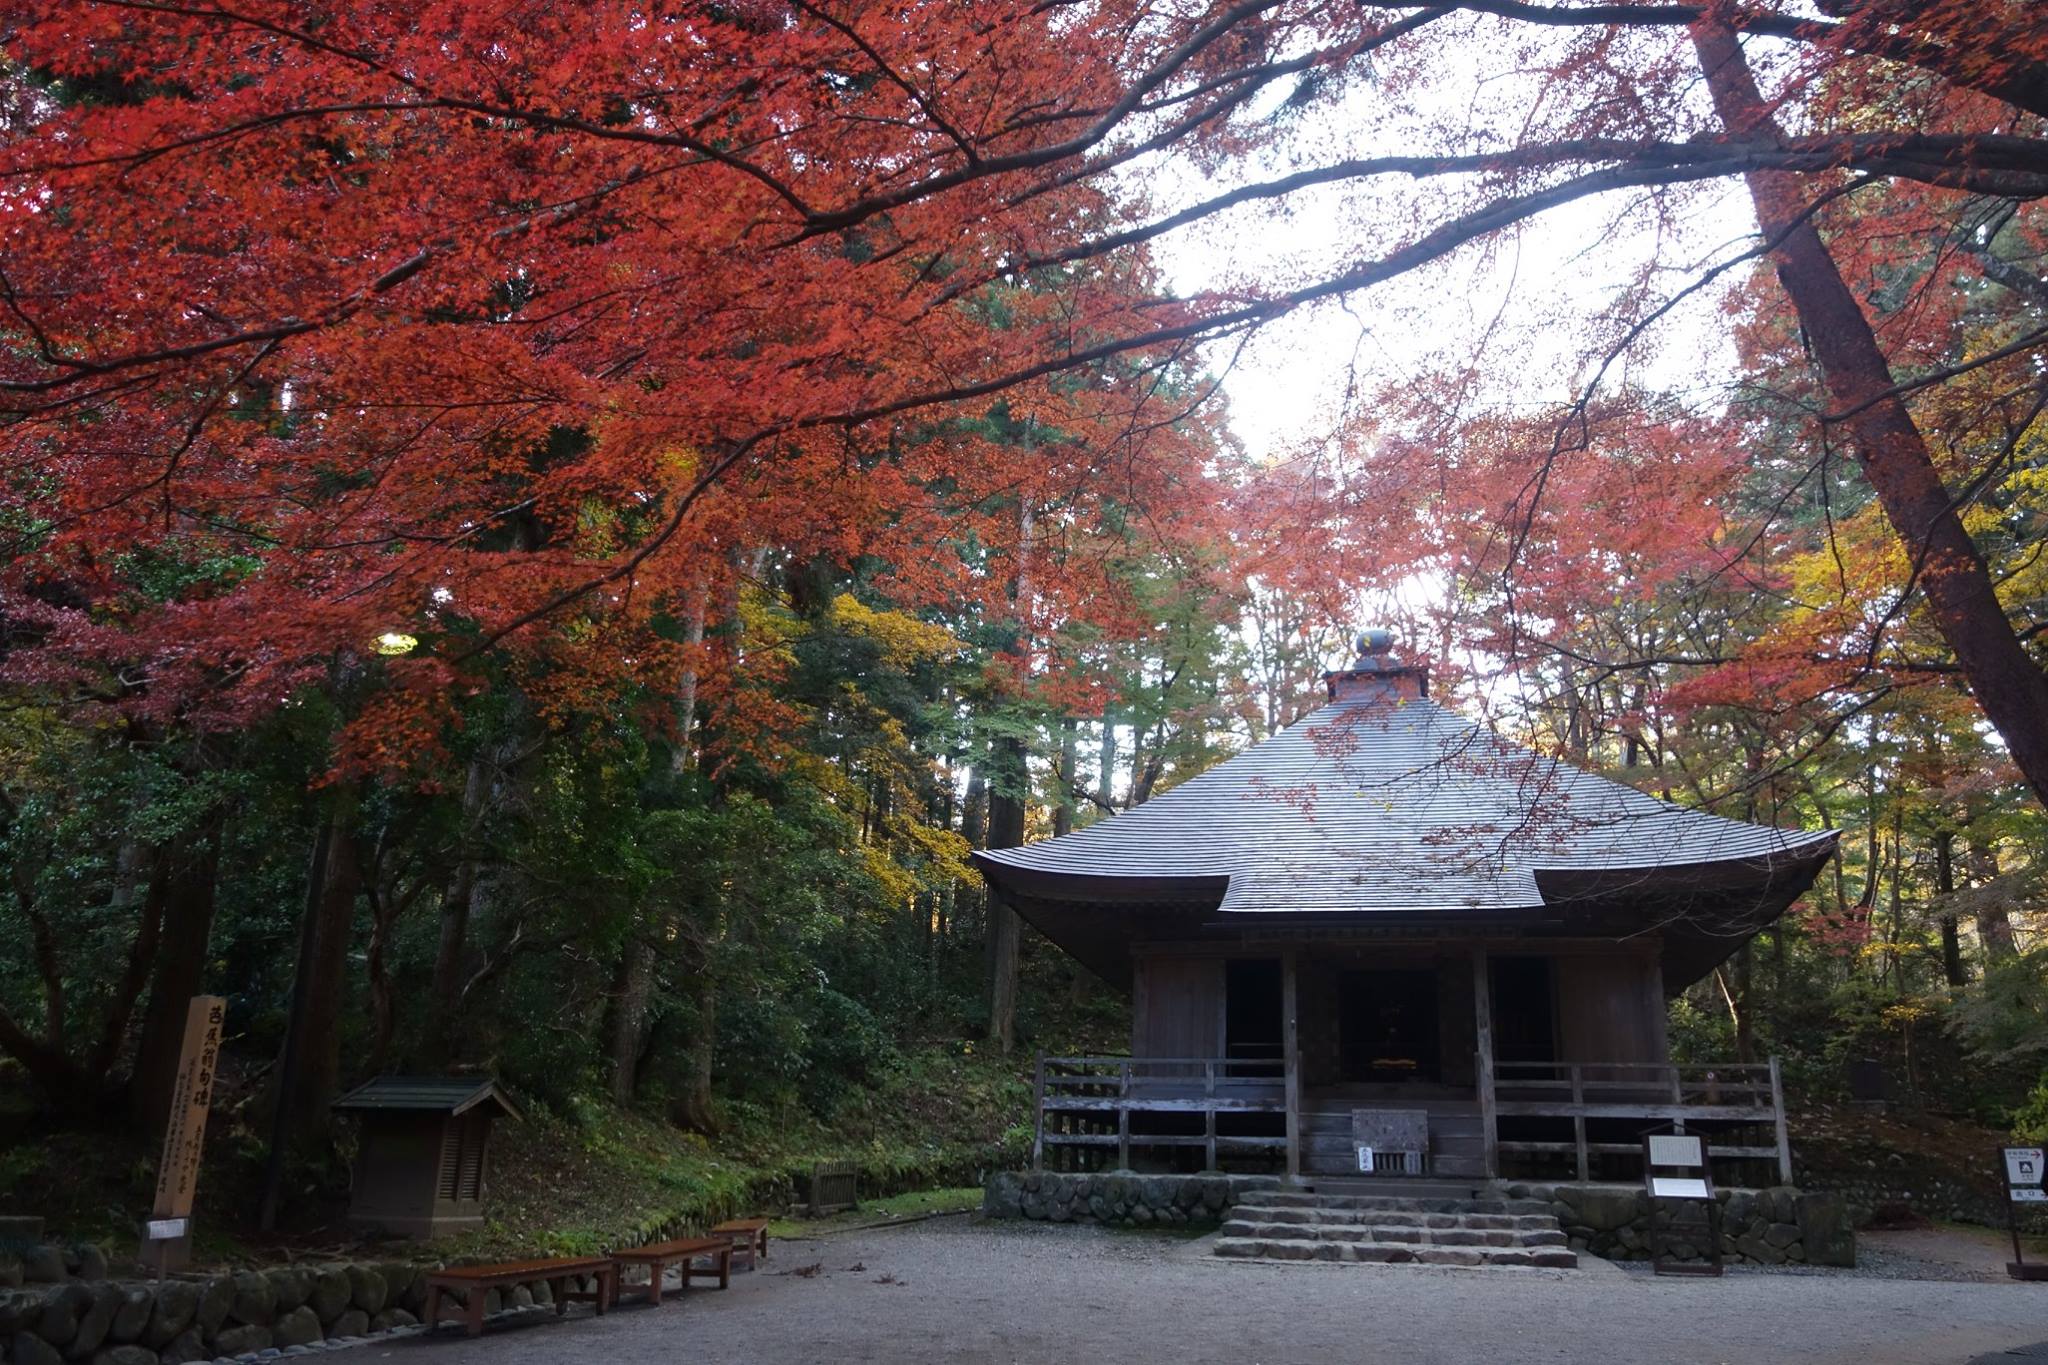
point(447, 1182)
point(470, 1183)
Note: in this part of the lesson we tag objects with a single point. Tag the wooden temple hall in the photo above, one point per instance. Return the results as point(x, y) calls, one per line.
point(1386, 928)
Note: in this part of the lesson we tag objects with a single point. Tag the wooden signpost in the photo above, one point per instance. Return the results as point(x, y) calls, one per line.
point(1675, 1167)
point(2023, 1167)
point(167, 1236)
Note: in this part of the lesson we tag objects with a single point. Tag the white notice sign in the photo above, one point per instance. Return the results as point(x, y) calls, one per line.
point(2029, 1194)
point(1678, 1187)
point(1365, 1160)
point(2023, 1165)
point(1676, 1149)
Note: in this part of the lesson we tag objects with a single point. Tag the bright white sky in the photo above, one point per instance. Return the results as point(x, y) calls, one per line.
point(1524, 300)
point(1564, 266)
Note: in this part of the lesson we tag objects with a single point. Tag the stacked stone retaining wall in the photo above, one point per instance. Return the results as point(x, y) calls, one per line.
point(1117, 1197)
point(199, 1318)
point(1782, 1225)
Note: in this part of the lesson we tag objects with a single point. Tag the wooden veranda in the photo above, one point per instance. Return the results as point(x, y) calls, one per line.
point(1131, 1112)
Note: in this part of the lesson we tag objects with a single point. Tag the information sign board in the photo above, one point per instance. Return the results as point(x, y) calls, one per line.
point(2022, 1186)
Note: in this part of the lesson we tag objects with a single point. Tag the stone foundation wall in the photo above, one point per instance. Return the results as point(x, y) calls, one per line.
point(204, 1318)
point(1777, 1226)
point(1117, 1197)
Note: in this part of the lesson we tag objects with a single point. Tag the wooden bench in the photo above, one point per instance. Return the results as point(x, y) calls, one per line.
point(749, 1238)
point(472, 1283)
point(682, 1254)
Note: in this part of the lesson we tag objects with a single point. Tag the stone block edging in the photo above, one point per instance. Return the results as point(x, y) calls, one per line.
point(1778, 1226)
point(1117, 1197)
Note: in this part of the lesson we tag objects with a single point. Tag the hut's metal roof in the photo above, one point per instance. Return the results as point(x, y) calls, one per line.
point(426, 1094)
point(1400, 807)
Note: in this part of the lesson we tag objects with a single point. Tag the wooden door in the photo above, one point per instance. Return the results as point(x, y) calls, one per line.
point(1177, 1007)
point(1611, 1009)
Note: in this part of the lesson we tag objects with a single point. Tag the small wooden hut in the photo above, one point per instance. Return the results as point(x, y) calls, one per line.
point(419, 1169)
point(1386, 919)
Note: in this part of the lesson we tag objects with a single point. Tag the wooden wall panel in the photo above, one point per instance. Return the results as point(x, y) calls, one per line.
point(1177, 1007)
point(1611, 1009)
point(1457, 1022)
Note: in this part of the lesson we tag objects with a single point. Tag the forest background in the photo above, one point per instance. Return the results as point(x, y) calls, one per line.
point(540, 541)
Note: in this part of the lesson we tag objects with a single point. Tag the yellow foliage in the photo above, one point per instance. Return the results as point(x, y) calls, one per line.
point(904, 639)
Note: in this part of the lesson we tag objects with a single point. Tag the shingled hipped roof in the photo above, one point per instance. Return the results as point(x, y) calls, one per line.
point(1383, 814)
point(1402, 807)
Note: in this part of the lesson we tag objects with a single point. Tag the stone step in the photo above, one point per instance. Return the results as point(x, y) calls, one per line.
point(1296, 1249)
point(1343, 1214)
point(1434, 1229)
point(1383, 1233)
point(1287, 1199)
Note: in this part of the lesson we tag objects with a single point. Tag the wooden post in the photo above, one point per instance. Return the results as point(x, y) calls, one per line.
point(1123, 1117)
point(1290, 1062)
point(1209, 1112)
point(1778, 1119)
point(1038, 1114)
point(1482, 1015)
point(1579, 1122)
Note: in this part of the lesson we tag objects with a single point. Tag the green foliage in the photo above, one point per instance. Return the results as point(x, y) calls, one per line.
point(2005, 1021)
point(2030, 1119)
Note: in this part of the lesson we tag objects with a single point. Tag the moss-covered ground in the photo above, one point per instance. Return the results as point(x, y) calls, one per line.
point(568, 1179)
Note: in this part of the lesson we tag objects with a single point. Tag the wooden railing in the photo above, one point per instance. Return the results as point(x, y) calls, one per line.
point(1650, 1093)
point(1088, 1102)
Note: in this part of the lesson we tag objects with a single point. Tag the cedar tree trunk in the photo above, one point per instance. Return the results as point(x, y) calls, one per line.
point(185, 932)
point(326, 978)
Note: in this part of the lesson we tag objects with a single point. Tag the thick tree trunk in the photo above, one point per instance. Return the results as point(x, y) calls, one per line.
point(185, 932)
point(974, 811)
point(326, 978)
point(1006, 809)
point(458, 905)
point(1951, 932)
point(696, 1112)
point(685, 756)
point(1105, 763)
point(1145, 775)
point(2009, 686)
point(629, 1015)
point(1994, 926)
point(1066, 775)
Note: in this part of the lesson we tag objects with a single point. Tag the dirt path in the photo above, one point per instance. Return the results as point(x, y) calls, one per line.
point(950, 1290)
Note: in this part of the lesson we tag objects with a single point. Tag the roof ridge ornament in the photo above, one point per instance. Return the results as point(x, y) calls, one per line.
point(1377, 674)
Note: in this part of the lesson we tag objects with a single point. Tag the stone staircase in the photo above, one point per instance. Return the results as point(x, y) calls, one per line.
point(1289, 1225)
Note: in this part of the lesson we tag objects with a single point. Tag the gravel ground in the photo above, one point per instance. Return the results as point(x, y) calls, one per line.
point(1955, 1255)
point(952, 1289)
